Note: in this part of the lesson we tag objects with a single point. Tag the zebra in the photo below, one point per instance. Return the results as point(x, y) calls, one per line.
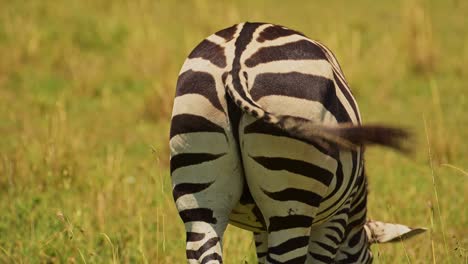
point(267, 136)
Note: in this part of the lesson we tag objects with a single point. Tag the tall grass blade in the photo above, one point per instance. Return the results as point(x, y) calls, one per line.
point(434, 184)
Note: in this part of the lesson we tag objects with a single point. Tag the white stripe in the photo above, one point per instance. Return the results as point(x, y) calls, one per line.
point(285, 40)
point(202, 65)
point(217, 39)
point(346, 161)
point(246, 54)
point(291, 254)
point(207, 229)
point(230, 49)
point(340, 74)
point(199, 142)
point(290, 150)
point(253, 45)
point(345, 103)
point(357, 114)
point(187, 201)
point(285, 105)
point(330, 56)
point(285, 233)
point(210, 171)
point(196, 104)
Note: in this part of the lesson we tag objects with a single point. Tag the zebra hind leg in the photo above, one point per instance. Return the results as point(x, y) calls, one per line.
point(203, 243)
point(205, 216)
point(205, 192)
point(326, 238)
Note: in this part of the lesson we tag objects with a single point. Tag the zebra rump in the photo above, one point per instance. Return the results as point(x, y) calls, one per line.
point(345, 136)
point(266, 135)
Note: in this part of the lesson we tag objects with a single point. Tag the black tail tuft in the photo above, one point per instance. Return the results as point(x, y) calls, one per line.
point(346, 136)
point(392, 137)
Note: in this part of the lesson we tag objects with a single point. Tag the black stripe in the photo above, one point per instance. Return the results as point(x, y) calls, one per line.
point(210, 51)
point(340, 221)
point(213, 256)
point(322, 258)
point(298, 50)
point(246, 197)
point(274, 32)
point(360, 198)
point(196, 254)
point(278, 223)
point(261, 254)
point(358, 223)
point(353, 258)
point(196, 82)
point(350, 183)
point(355, 239)
point(297, 260)
point(344, 208)
point(188, 188)
point(294, 194)
point(193, 236)
point(359, 207)
point(347, 93)
point(227, 33)
point(187, 123)
point(245, 37)
point(332, 238)
point(342, 86)
point(303, 86)
point(296, 166)
point(337, 230)
point(339, 179)
point(261, 127)
point(367, 256)
point(198, 214)
point(189, 159)
point(289, 245)
point(328, 248)
point(234, 114)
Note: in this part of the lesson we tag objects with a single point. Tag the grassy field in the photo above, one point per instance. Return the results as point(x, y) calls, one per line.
point(85, 98)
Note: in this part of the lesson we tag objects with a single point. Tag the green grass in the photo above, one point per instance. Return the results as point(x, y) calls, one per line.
point(85, 98)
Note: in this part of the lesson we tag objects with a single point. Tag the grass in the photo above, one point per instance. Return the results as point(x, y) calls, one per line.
point(85, 98)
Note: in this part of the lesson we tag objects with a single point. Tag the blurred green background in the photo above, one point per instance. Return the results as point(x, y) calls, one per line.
point(86, 90)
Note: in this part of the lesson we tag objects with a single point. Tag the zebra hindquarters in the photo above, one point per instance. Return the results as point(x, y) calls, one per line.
point(355, 247)
point(288, 179)
point(207, 183)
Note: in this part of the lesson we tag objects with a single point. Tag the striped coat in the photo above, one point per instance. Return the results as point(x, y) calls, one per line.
point(266, 135)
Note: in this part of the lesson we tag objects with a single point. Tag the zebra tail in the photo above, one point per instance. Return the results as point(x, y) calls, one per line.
point(345, 136)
